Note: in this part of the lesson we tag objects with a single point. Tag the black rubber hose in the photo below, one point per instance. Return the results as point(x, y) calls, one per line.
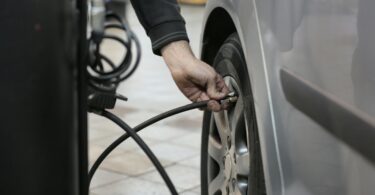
point(105, 76)
point(106, 81)
point(131, 37)
point(139, 127)
point(144, 147)
point(108, 61)
point(138, 58)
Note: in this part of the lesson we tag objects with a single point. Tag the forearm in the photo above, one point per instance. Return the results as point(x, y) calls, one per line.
point(162, 21)
point(178, 54)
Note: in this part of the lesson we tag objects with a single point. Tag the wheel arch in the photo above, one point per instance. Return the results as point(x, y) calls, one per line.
point(219, 25)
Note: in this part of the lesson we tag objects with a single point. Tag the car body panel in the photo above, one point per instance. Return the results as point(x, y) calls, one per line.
point(330, 46)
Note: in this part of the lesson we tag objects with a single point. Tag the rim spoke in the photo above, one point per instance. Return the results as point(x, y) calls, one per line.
point(237, 114)
point(215, 150)
point(217, 184)
point(228, 81)
point(243, 163)
point(222, 124)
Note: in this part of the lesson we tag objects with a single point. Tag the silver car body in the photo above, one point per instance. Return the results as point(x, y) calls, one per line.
point(312, 70)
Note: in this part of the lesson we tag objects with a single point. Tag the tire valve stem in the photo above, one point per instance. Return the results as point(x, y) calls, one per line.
point(233, 99)
point(230, 98)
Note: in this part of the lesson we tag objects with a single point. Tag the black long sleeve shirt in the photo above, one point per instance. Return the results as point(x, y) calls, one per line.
point(162, 21)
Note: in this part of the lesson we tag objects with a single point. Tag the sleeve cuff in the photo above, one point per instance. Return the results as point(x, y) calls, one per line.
point(166, 33)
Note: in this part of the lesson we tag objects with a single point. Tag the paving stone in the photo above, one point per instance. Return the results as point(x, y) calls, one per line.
point(95, 151)
point(194, 162)
point(182, 176)
point(189, 193)
point(172, 152)
point(128, 145)
point(133, 186)
point(102, 124)
point(103, 177)
point(191, 140)
point(97, 134)
point(131, 163)
point(197, 190)
point(162, 133)
point(189, 121)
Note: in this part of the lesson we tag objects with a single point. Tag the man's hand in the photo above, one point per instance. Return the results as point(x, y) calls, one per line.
point(196, 80)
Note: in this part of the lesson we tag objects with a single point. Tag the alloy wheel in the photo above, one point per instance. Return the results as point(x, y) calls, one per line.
point(228, 148)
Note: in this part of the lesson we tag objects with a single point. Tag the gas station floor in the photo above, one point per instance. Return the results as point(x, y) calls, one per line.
point(176, 141)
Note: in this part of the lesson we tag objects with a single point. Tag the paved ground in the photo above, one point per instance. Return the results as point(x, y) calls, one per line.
point(176, 140)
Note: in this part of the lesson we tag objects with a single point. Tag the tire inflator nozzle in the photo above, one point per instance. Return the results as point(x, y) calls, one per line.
point(230, 98)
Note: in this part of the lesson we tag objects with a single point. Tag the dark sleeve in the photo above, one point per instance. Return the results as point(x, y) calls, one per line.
point(162, 21)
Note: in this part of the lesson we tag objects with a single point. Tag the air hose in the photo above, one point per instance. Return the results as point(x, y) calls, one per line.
point(132, 132)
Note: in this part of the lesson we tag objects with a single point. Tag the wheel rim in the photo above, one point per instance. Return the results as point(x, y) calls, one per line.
point(228, 151)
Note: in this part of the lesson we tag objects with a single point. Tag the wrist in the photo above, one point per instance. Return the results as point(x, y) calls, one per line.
point(178, 55)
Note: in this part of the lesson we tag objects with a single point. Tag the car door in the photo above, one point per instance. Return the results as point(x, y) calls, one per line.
point(320, 56)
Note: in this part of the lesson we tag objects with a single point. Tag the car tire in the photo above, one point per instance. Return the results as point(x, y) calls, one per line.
point(231, 160)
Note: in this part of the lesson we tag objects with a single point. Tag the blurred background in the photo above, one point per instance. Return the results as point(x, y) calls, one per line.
point(151, 91)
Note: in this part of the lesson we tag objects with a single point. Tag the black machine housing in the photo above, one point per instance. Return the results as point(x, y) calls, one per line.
point(43, 125)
